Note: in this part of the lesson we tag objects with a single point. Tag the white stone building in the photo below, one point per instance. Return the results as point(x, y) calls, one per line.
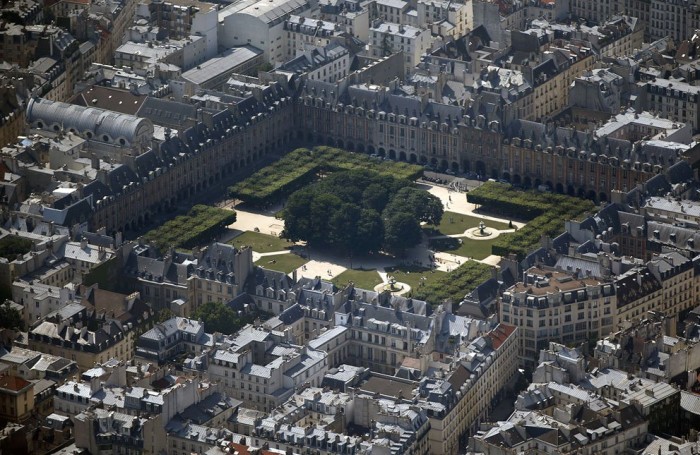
point(387, 38)
point(259, 24)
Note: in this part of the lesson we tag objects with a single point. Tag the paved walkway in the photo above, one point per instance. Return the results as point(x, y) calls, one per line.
point(325, 269)
point(250, 220)
point(258, 256)
point(328, 265)
point(457, 202)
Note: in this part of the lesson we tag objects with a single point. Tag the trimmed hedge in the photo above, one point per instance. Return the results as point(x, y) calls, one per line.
point(201, 224)
point(301, 166)
point(454, 285)
point(546, 213)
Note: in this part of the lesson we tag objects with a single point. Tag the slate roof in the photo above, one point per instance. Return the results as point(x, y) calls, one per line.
point(109, 98)
point(75, 213)
point(292, 314)
point(690, 402)
point(685, 238)
point(166, 112)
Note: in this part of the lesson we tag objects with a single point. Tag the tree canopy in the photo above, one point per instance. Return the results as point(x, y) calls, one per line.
point(10, 317)
point(201, 225)
point(360, 211)
point(455, 285)
point(302, 166)
point(219, 317)
point(13, 245)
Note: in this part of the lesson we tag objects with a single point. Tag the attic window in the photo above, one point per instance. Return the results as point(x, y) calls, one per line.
point(122, 141)
point(105, 138)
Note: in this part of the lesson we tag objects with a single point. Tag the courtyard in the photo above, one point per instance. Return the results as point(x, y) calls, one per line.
point(446, 247)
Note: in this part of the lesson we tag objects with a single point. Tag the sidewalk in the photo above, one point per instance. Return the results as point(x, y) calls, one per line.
point(454, 201)
point(328, 265)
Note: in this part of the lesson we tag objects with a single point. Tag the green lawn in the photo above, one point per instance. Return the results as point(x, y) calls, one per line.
point(477, 249)
point(456, 223)
point(412, 275)
point(282, 262)
point(261, 243)
point(363, 279)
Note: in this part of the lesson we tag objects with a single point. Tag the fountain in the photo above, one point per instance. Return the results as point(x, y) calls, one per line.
point(392, 286)
point(480, 232)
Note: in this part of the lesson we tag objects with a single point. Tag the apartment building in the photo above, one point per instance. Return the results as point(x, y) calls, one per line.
point(11, 115)
point(500, 18)
point(330, 63)
point(597, 12)
point(97, 428)
point(216, 273)
point(335, 342)
point(154, 184)
point(386, 330)
point(39, 300)
point(65, 333)
point(304, 34)
point(394, 11)
point(184, 438)
point(438, 134)
point(551, 305)
point(463, 401)
point(34, 365)
point(599, 90)
point(667, 283)
point(22, 44)
point(182, 18)
point(444, 18)
point(107, 386)
point(674, 100)
point(677, 276)
point(276, 292)
point(552, 78)
point(669, 18)
point(638, 291)
point(387, 38)
point(622, 35)
point(649, 349)
point(596, 173)
point(259, 367)
point(675, 19)
point(350, 16)
point(624, 429)
point(173, 337)
point(16, 398)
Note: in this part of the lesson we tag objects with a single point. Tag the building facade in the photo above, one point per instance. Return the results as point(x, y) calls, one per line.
point(549, 305)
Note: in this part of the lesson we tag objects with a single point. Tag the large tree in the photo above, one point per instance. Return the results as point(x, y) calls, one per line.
point(10, 318)
point(218, 317)
point(424, 206)
point(401, 231)
point(352, 211)
point(370, 231)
